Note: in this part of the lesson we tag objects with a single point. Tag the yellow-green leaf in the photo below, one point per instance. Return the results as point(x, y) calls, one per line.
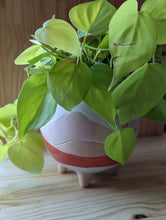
point(129, 47)
point(157, 9)
point(7, 113)
point(27, 156)
point(28, 54)
point(69, 83)
point(120, 144)
point(99, 99)
point(59, 34)
point(35, 105)
point(140, 92)
point(158, 112)
point(34, 139)
point(92, 17)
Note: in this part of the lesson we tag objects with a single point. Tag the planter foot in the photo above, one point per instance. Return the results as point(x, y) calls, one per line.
point(84, 179)
point(61, 169)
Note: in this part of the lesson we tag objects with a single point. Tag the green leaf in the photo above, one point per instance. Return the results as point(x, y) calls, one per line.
point(101, 102)
point(101, 75)
point(158, 113)
point(7, 113)
point(38, 58)
point(104, 45)
point(119, 145)
point(81, 34)
point(98, 97)
point(129, 47)
point(69, 83)
point(92, 17)
point(36, 105)
point(157, 11)
point(140, 92)
point(28, 54)
point(60, 34)
point(43, 66)
point(34, 71)
point(35, 139)
point(27, 156)
point(9, 133)
point(93, 42)
point(3, 151)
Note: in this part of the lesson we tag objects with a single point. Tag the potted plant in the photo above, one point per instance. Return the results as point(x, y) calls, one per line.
point(110, 64)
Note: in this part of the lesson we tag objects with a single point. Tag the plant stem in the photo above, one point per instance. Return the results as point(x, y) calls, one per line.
point(98, 52)
point(82, 46)
point(55, 54)
point(94, 48)
point(85, 56)
point(6, 135)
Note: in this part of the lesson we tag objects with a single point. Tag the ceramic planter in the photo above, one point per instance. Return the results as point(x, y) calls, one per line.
point(76, 140)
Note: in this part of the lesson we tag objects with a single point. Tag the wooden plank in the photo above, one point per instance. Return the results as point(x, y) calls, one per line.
point(158, 218)
point(150, 128)
point(18, 19)
point(139, 189)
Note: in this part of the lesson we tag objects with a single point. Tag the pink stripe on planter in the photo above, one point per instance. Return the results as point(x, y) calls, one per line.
point(85, 162)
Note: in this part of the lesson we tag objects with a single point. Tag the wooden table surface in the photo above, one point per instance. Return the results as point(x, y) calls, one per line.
point(138, 191)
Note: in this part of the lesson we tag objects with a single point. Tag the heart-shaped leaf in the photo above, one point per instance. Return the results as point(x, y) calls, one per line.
point(157, 11)
point(119, 145)
point(7, 113)
point(98, 97)
point(28, 54)
point(59, 34)
point(69, 83)
point(35, 105)
point(35, 139)
point(101, 102)
point(92, 17)
point(129, 47)
point(158, 113)
point(101, 75)
point(140, 92)
point(27, 156)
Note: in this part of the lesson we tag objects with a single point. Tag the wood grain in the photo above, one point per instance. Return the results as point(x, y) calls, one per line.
point(139, 189)
point(18, 20)
point(150, 128)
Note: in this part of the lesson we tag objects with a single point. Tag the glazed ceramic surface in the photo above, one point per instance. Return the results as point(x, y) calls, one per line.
point(76, 140)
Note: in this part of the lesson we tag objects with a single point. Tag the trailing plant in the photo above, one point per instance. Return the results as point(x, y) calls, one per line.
point(112, 63)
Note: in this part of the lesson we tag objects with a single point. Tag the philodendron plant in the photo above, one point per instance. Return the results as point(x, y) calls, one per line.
point(110, 60)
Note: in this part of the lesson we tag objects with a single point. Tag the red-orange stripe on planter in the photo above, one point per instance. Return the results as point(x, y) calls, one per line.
point(73, 160)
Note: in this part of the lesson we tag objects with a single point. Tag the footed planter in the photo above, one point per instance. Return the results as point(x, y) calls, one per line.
point(76, 141)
